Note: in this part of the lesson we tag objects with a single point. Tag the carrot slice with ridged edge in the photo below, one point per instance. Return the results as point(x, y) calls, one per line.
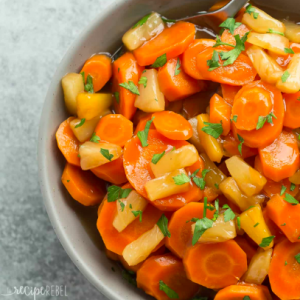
point(284, 272)
point(137, 168)
point(270, 131)
point(83, 186)
point(181, 229)
point(215, 266)
point(172, 42)
point(165, 270)
point(240, 291)
point(190, 54)
point(99, 67)
point(68, 143)
point(280, 159)
point(116, 241)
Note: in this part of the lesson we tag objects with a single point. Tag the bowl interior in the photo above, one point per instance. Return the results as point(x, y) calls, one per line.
point(74, 224)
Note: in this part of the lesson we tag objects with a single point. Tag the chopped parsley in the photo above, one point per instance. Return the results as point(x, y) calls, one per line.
point(234, 118)
point(266, 241)
point(177, 71)
point(220, 43)
point(142, 21)
point(138, 213)
point(167, 290)
point(143, 80)
point(228, 213)
point(213, 63)
point(285, 76)
point(238, 220)
point(117, 96)
point(262, 120)
point(240, 145)
point(115, 193)
point(162, 223)
point(283, 189)
point(160, 61)
point(106, 154)
point(297, 257)
point(251, 10)
point(213, 129)
point(80, 123)
point(131, 87)
point(201, 226)
point(290, 199)
point(168, 20)
point(293, 186)
point(156, 157)
point(230, 24)
point(270, 30)
point(95, 138)
point(143, 135)
point(122, 205)
point(289, 50)
point(181, 179)
point(256, 225)
point(88, 87)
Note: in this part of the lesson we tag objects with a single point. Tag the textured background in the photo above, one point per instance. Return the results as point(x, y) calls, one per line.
point(34, 35)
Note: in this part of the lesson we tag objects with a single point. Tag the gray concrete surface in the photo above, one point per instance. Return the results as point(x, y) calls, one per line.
point(34, 35)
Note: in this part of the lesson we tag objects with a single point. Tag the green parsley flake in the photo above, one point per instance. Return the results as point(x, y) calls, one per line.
point(130, 206)
point(177, 71)
point(142, 21)
point(270, 30)
point(181, 179)
point(289, 51)
point(168, 20)
point(266, 241)
point(283, 189)
point(230, 24)
point(80, 123)
point(217, 186)
point(240, 145)
point(83, 77)
point(297, 257)
point(262, 120)
point(68, 180)
point(234, 118)
point(283, 224)
point(130, 86)
point(251, 10)
point(143, 80)
point(246, 298)
point(238, 220)
point(162, 223)
point(143, 135)
point(213, 63)
point(117, 96)
point(228, 213)
point(285, 76)
point(285, 263)
point(89, 84)
point(160, 61)
point(115, 193)
point(217, 210)
point(167, 290)
point(106, 154)
point(256, 225)
point(201, 226)
point(138, 213)
point(290, 199)
point(157, 157)
point(293, 186)
point(220, 43)
point(95, 138)
point(213, 129)
point(122, 205)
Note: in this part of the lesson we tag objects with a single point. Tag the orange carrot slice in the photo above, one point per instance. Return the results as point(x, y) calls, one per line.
point(285, 269)
point(99, 67)
point(165, 270)
point(227, 37)
point(190, 54)
point(215, 266)
point(172, 125)
point(142, 123)
point(229, 92)
point(115, 129)
point(280, 159)
point(172, 42)
point(292, 110)
point(125, 70)
point(83, 186)
point(68, 143)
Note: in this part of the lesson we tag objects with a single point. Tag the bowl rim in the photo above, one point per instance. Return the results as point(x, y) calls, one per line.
point(42, 160)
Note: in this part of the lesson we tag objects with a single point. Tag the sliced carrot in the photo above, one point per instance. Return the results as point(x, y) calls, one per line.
point(173, 41)
point(269, 132)
point(115, 129)
point(83, 186)
point(99, 67)
point(246, 247)
point(239, 73)
point(142, 123)
point(112, 172)
point(172, 125)
point(210, 194)
point(137, 168)
point(231, 144)
point(220, 112)
point(285, 216)
point(180, 227)
point(229, 92)
point(68, 143)
point(250, 103)
point(280, 159)
point(176, 86)
point(227, 37)
point(284, 272)
point(125, 69)
point(292, 110)
point(112, 255)
point(165, 269)
point(116, 241)
point(240, 291)
point(215, 266)
point(190, 54)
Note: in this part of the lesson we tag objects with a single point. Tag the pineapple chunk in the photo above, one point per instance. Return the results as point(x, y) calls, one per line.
point(252, 221)
point(270, 41)
point(91, 154)
point(90, 106)
point(72, 85)
point(211, 145)
point(221, 231)
point(263, 22)
point(292, 83)
point(248, 179)
point(259, 267)
point(175, 159)
point(137, 35)
point(165, 186)
point(151, 99)
point(295, 179)
point(195, 138)
point(214, 176)
point(266, 67)
point(141, 248)
point(85, 131)
point(133, 202)
point(232, 192)
point(292, 31)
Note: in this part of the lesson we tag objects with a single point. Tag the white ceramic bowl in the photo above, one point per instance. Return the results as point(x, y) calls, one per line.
point(74, 224)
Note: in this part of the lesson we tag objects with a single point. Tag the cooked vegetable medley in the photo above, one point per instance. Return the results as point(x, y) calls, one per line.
point(190, 149)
